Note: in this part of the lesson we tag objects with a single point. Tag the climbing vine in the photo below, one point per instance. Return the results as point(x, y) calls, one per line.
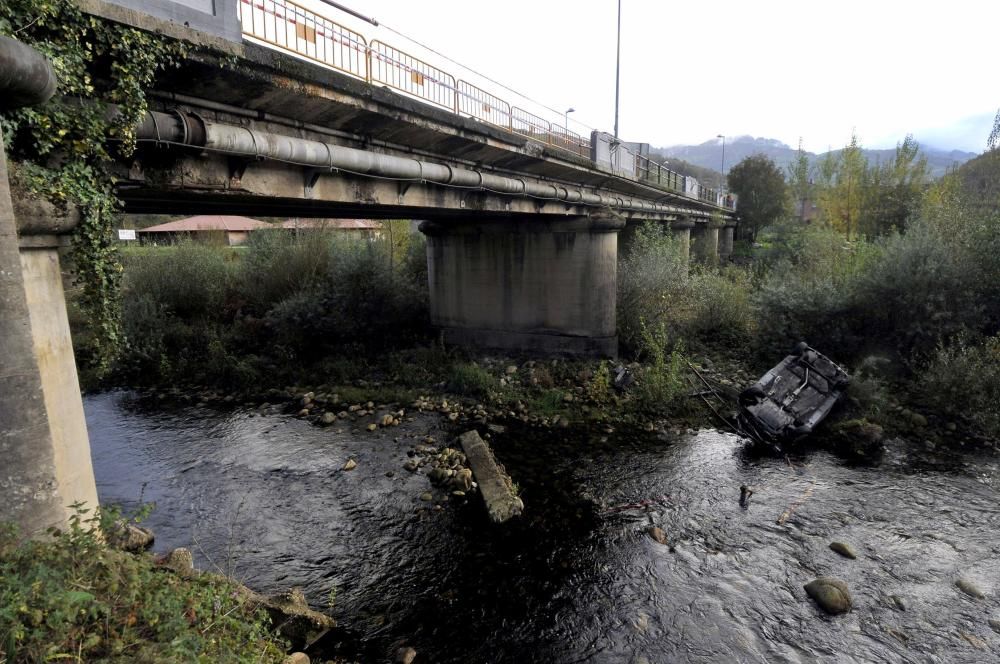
point(64, 150)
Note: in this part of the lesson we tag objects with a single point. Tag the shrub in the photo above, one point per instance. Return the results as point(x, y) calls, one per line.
point(963, 379)
point(658, 288)
point(662, 383)
point(187, 280)
point(813, 296)
point(72, 598)
point(470, 379)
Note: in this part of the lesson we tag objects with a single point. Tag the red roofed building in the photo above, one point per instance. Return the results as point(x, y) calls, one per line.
point(228, 230)
point(365, 227)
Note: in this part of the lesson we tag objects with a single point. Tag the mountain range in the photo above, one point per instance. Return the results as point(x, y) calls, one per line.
point(709, 154)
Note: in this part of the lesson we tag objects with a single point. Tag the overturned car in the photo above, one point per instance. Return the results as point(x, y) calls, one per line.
point(792, 398)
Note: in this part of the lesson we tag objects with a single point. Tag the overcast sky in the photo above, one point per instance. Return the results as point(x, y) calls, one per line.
point(691, 70)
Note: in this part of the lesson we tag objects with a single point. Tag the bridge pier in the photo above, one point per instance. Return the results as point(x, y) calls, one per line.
point(538, 286)
point(682, 231)
point(726, 242)
point(705, 242)
point(44, 446)
point(43, 441)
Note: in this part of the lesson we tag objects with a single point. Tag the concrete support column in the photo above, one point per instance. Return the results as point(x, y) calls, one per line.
point(43, 439)
point(542, 286)
point(705, 242)
point(726, 242)
point(44, 449)
point(682, 231)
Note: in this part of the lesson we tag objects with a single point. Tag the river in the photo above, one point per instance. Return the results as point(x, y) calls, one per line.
point(577, 578)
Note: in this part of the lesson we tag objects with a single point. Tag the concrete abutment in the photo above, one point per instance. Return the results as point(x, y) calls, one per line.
point(539, 286)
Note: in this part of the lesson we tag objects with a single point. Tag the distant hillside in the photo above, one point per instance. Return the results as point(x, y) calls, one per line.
point(709, 154)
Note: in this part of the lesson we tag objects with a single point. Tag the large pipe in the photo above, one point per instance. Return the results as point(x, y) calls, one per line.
point(26, 77)
point(190, 129)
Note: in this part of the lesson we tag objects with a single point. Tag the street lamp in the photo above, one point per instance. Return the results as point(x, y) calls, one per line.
point(566, 119)
point(723, 169)
point(618, 64)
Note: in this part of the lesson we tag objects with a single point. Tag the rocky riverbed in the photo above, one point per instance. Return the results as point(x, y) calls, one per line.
point(633, 545)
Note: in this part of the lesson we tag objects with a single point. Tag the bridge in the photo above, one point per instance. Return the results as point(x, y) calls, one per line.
point(283, 111)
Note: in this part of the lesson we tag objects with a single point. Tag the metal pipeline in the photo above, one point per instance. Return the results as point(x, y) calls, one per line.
point(190, 129)
point(26, 77)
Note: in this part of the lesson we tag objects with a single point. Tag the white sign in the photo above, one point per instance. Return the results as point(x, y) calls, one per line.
point(126, 234)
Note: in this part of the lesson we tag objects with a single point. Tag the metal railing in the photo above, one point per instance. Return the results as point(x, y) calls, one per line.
point(286, 25)
point(406, 73)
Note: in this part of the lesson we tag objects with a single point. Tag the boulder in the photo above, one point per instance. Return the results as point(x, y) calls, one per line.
point(405, 656)
point(350, 465)
point(130, 537)
point(291, 614)
point(296, 658)
point(657, 534)
point(843, 549)
point(438, 475)
point(462, 480)
point(994, 625)
point(179, 560)
point(328, 418)
point(832, 595)
point(970, 588)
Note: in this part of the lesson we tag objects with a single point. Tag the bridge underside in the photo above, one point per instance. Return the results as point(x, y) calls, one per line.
point(508, 267)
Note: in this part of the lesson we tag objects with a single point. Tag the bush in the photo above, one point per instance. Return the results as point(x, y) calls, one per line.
point(658, 288)
point(72, 598)
point(963, 379)
point(662, 383)
point(222, 315)
point(187, 280)
point(471, 379)
point(812, 295)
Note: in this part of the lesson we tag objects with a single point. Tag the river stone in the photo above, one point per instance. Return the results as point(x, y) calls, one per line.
point(427, 496)
point(831, 594)
point(405, 656)
point(994, 625)
point(296, 658)
point(328, 418)
point(179, 560)
point(351, 464)
point(372, 427)
point(462, 481)
point(130, 537)
point(657, 534)
point(291, 613)
point(970, 589)
point(437, 475)
point(843, 549)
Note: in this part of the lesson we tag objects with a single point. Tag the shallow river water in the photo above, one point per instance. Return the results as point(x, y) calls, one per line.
point(577, 578)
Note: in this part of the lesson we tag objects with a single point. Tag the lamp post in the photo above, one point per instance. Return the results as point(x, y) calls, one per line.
point(566, 119)
point(618, 64)
point(722, 171)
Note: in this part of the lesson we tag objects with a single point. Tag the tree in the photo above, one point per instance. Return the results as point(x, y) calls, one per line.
point(762, 192)
point(843, 203)
point(799, 182)
point(895, 190)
